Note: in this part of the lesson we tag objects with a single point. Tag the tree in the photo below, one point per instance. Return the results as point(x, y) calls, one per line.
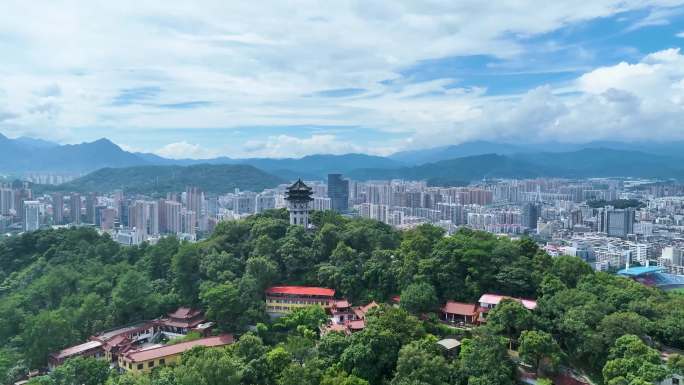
point(510, 317)
point(570, 269)
point(132, 298)
point(631, 361)
point(224, 304)
point(332, 377)
point(185, 268)
point(539, 349)
point(421, 362)
point(45, 333)
point(484, 360)
point(205, 366)
point(310, 317)
point(418, 298)
point(263, 270)
point(618, 324)
point(81, 371)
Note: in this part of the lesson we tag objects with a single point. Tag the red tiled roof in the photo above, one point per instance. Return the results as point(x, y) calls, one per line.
point(185, 312)
point(396, 298)
point(168, 350)
point(341, 304)
point(301, 290)
point(361, 311)
point(356, 325)
point(460, 308)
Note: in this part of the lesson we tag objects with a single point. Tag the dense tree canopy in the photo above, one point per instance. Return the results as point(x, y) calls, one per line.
point(57, 287)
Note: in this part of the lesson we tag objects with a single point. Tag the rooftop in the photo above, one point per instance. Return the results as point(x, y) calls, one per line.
point(301, 290)
point(640, 270)
point(185, 312)
point(449, 343)
point(494, 299)
point(169, 350)
point(460, 308)
point(77, 349)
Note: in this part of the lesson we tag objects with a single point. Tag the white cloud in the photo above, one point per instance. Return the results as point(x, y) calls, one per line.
point(185, 150)
point(640, 101)
point(681, 34)
point(257, 64)
point(286, 146)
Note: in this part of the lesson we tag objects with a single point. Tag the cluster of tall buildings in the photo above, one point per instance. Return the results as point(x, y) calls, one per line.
point(567, 216)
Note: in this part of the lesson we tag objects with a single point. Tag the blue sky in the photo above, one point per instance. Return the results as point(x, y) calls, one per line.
point(216, 78)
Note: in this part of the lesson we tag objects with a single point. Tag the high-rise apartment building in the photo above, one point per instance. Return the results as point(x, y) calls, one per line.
point(91, 203)
point(172, 217)
point(338, 192)
point(617, 222)
point(6, 201)
point(530, 215)
point(57, 209)
point(75, 209)
point(31, 215)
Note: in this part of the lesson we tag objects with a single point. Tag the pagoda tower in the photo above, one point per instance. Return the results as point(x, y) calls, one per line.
point(298, 197)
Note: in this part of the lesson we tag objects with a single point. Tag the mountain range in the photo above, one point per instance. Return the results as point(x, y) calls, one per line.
point(456, 164)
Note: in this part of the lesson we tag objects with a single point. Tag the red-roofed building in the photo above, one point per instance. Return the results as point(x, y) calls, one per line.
point(182, 321)
point(459, 312)
point(281, 300)
point(144, 360)
point(348, 320)
point(488, 302)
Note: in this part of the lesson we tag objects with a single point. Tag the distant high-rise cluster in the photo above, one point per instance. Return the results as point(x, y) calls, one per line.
point(610, 223)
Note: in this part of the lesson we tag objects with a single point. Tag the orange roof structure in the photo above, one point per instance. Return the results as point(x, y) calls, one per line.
point(301, 290)
point(460, 308)
point(169, 350)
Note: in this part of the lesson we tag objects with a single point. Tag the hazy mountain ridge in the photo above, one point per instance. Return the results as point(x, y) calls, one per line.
point(447, 164)
point(585, 163)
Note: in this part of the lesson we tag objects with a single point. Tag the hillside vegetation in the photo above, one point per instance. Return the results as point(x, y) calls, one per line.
point(163, 179)
point(57, 287)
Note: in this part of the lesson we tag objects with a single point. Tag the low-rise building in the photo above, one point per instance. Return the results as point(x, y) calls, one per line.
point(144, 360)
point(86, 349)
point(488, 302)
point(281, 300)
point(457, 312)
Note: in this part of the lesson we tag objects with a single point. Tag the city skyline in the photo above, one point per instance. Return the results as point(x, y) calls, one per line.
point(217, 79)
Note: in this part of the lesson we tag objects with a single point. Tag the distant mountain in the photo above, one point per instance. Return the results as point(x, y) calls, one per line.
point(35, 155)
point(584, 163)
point(456, 171)
point(163, 179)
point(308, 167)
point(436, 154)
point(35, 143)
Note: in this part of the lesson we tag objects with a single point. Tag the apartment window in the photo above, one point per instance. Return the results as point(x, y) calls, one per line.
point(675, 381)
point(140, 366)
point(150, 364)
point(130, 366)
point(162, 361)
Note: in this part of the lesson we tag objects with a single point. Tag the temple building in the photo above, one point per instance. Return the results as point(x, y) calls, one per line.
point(281, 300)
point(298, 197)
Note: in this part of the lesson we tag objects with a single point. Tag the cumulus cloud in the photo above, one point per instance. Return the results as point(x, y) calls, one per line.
point(639, 101)
point(286, 146)
point(185, 150)
point(216, 64)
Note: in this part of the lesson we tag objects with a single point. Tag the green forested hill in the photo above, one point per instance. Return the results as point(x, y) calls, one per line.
point(163, 179)
point(57, 287)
